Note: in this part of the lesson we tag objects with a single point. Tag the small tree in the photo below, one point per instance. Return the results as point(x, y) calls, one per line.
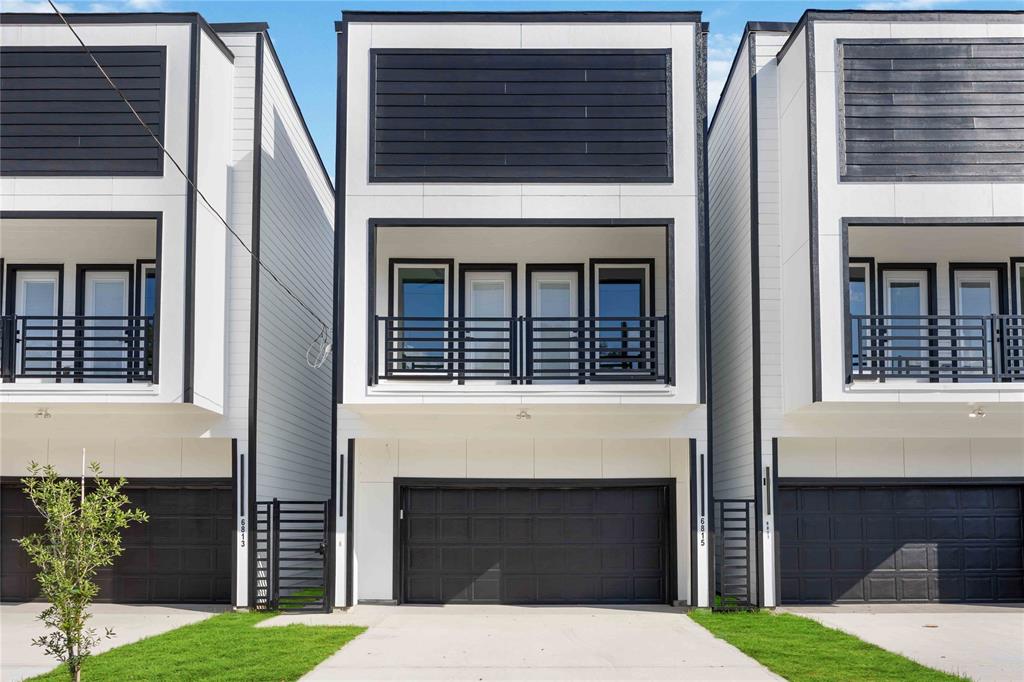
point(82, 534)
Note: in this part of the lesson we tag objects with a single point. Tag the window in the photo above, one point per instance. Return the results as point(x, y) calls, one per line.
point(861, 305)
point(627, 334)
point(34, 298)
point(421, 304)
point(487, 307)
point(906, 304)
point(553, 324)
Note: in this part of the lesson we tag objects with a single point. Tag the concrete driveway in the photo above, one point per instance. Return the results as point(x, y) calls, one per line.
point(18, 625)
point(979, 641)
point(527, 643)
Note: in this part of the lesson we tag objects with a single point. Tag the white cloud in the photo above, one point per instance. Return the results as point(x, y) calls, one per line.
point(111, 6)
point(721, 50)
point(908, 4)
point(33, 6)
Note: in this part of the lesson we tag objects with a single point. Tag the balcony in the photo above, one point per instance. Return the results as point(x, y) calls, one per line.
point(935, 304)
point(569, 311)
point(81, 304)
point(938, 347)
point(77, 348)
point(523, 350)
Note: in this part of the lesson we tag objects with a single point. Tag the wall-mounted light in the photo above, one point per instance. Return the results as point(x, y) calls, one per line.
point(977, 413)
point(523, 415)
point(43, 413)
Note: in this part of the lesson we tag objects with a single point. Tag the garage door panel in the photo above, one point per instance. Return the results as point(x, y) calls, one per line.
point(486, 529)
point(940, 542)
point(182, 554)
point(548, 544)
point(1007, 559)
point(1006, 528)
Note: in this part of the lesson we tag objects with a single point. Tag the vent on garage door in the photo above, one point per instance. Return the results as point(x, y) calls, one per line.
point(291, 555)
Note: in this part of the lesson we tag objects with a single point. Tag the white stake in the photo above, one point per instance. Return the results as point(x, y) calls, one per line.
point(83, 477)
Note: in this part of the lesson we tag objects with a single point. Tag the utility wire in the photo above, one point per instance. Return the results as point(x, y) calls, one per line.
point(315, 357)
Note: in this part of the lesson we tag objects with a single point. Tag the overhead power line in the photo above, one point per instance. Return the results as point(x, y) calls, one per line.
point(318, 349)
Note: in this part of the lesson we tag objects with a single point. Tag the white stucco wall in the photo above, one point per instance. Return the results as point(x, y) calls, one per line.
point(380, 461)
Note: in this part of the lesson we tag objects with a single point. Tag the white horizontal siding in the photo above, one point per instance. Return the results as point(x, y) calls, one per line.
point(236, 413)
point(294, 402)
point(731, 338)
point(767, 46)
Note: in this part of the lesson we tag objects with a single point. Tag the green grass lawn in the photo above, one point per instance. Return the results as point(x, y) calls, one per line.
point(802, 649)
point(225, 647)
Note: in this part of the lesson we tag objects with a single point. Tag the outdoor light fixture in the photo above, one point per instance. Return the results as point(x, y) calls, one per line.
point(43, 413)
point(976, 413)
point(523, 415)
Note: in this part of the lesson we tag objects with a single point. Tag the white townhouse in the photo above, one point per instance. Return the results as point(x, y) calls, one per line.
point(867, 257)
point(520, 258)
point(134, 326)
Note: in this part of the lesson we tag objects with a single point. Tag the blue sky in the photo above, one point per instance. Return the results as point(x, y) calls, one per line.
point(303, 31)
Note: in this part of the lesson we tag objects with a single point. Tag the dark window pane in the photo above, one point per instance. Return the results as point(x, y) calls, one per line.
point(620, 298)
point(421, 294)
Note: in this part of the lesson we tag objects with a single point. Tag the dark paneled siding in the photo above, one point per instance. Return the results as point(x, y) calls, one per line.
point(932, 109)
point(59, 116)
point(521, 116)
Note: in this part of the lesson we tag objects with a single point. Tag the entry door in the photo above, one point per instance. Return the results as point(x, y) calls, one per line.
point(976, 298)
point(555, 310)
point(906, 300)
point(37, 294)
point(106, 336)
point(488, 295)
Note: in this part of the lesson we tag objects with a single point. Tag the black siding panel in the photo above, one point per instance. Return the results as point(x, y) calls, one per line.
point(521, 116)
point(931, 109)
point(59, 116)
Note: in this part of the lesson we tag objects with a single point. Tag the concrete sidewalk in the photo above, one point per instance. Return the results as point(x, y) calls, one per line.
point(19, 624)
point(982, 642)
point(527, 643)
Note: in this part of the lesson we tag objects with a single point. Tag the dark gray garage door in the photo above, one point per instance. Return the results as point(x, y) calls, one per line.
point(182, 555)
point(538, 544)
point(900, 543)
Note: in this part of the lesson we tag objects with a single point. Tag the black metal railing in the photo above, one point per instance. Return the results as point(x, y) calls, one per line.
point(938, 347)
point(291, 568)
point(523, 349)
point(735, 554)
point(101, 348)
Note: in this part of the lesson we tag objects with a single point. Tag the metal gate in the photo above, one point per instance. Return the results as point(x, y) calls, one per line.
point(734, 553)
point(291, 555)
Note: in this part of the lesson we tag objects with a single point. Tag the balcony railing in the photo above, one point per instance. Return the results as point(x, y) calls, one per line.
point(523, 350)
point(93, 348)
point(938, 347)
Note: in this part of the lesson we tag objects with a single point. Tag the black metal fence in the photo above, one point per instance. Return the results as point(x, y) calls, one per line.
point(291, 568)
point(938, 347)
point(102, 348)
point(735, 553)
point(523, 349)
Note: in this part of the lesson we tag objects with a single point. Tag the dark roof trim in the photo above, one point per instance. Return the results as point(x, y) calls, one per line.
point(243, 27)
point(288, 86)
point(778, 26)
point(965, 16)
point(522, 17)
point(75, 18)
